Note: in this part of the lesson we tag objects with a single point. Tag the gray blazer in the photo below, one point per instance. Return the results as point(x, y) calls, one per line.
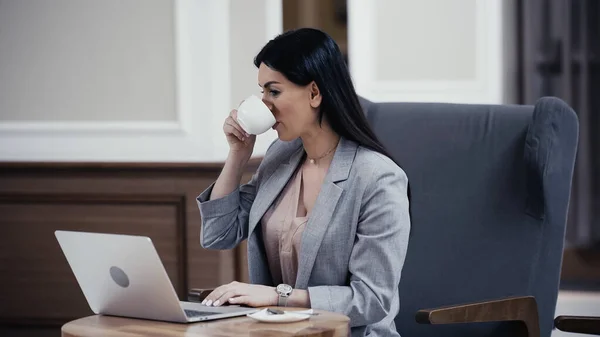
point(355, 241)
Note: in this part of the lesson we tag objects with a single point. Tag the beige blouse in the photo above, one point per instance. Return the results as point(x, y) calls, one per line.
point(282, 228)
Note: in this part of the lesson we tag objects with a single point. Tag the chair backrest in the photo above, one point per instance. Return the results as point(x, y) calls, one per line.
point(490, 189)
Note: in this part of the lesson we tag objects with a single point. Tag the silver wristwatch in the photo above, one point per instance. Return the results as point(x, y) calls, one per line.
point(284, 291)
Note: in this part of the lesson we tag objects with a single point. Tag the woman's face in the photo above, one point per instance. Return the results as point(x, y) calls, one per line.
point(295, 107)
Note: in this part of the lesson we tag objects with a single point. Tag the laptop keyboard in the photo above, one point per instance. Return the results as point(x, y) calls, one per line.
point(196, 313)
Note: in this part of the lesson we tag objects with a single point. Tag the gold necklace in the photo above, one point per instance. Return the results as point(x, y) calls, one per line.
point(313, 160)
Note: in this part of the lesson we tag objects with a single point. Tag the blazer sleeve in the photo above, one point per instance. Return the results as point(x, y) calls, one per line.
point(377, 256)
point(225, 220)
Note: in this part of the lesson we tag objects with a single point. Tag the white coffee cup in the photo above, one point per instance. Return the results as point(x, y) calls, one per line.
point(254, 116)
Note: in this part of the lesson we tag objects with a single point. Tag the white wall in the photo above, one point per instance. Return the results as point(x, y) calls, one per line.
point(423, 40)
point(433, 50)
point(136, 80)
point(153, 80)
point(264, 19)
point(65, 60)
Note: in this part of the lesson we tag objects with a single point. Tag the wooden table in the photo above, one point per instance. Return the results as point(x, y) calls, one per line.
point(325, 324)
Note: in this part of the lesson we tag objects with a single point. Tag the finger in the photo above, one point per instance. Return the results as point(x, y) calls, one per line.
point(233, 122)
point(209, 298)
point(233, 115)
point(215, 294)
point(220, 291)
point(237, 125)
point(244, 299)
point(230, 129)
point(226, 296)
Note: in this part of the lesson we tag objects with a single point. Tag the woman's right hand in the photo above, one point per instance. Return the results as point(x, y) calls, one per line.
point(240, 143)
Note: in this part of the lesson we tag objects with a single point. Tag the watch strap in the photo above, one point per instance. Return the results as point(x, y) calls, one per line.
point(282, 301)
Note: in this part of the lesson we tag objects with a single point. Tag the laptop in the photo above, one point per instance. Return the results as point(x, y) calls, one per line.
point(122, 275)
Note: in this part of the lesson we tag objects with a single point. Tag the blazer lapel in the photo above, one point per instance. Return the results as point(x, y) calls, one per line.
point(324, 209)
point(271, 188)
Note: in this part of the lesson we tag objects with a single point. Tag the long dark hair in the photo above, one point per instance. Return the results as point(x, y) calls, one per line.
point(305, 55)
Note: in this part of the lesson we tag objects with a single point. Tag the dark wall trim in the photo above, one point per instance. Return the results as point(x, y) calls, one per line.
point(177, 201)
point(34, 323)
point(96, 167)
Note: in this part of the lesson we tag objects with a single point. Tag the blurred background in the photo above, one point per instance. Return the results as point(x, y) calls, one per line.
point(111, 114)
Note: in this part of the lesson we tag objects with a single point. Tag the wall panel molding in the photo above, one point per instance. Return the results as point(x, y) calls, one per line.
point(485, 87)
point(203, 87)
point(64, 199)
point(137, 140)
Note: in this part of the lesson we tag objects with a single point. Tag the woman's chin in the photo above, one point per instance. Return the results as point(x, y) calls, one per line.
point(284, 137)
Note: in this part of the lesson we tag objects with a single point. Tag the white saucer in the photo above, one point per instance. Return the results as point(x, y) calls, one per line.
point(287, 317)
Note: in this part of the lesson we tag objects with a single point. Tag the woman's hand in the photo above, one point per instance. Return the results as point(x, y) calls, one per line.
point(240, 143)
point(242, 293)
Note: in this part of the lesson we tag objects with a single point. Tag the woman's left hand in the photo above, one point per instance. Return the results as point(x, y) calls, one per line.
point(242, 293)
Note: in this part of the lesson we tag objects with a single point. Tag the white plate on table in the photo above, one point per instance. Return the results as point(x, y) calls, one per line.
point(287, 317)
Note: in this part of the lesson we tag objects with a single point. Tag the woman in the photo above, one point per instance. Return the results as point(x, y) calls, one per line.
point(326, 214)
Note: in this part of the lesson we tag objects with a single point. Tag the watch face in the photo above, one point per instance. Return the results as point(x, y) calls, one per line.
point(284, 289)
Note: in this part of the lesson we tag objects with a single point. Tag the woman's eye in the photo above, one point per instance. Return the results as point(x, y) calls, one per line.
point(274, 93)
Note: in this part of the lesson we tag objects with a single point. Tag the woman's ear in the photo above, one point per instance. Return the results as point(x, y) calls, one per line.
point(315, 95)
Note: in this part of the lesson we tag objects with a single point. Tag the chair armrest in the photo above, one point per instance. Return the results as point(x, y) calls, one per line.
point(198, 295)
point(520, 309)
point(578, 324)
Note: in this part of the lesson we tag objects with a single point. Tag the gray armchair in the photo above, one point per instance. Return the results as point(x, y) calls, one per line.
point(490, 190)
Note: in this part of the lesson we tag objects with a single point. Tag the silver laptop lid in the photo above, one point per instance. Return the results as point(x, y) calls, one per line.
point(121, 275)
